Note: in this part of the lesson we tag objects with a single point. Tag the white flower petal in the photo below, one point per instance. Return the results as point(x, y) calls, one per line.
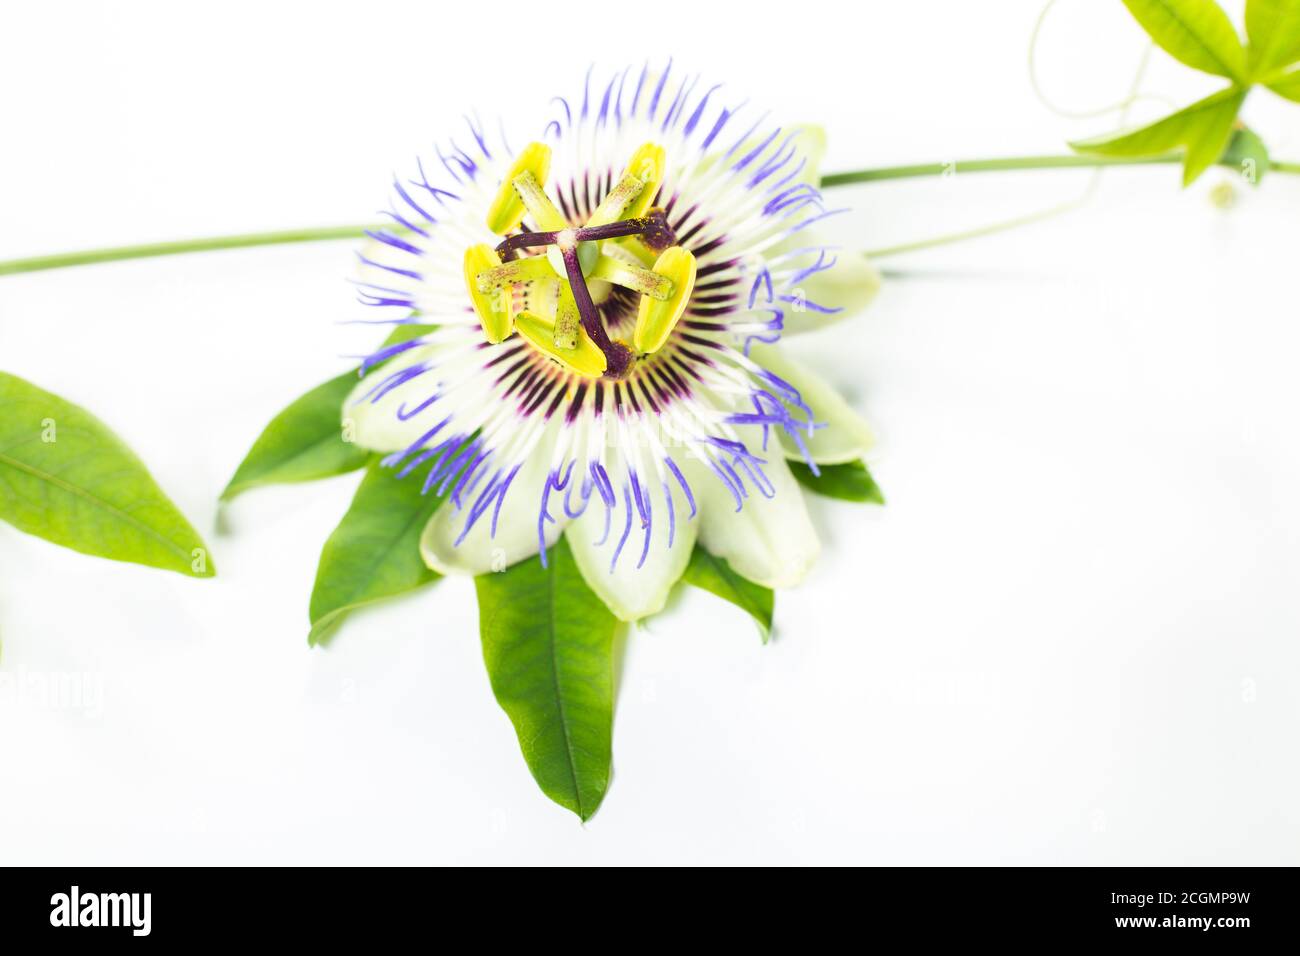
point(453, 373)
point(375, 264)
point(631, 592)
point(516, 528)
point(770, 541)
point(375, 425)
point(845, 437)
point(812, 143)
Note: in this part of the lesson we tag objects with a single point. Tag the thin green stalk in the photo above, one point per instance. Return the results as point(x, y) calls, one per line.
point(326, 233)
point(1012, 164)
point(150, 249)
point(1004, 225)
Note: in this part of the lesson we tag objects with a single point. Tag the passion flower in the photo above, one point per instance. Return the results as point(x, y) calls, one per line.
point(608, 303)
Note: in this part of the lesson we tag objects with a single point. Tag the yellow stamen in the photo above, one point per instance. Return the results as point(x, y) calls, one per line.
point(520, 270)
point(529, 190)
point(634, 248)
point(647, 164)
point(625, 191)
point(585, 358)
point(492, 305)
point(656, 319)
point(507, 209)
point(568, 320)
point(633, 193)
point(630, 277)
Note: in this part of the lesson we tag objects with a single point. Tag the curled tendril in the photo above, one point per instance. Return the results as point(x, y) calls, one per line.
point(1094, 181)
point(1123, 104)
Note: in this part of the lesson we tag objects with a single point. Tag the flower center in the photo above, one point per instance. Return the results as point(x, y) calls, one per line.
point(588, 253)
point(624, 242)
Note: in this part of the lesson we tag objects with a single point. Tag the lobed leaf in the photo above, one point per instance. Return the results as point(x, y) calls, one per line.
point(1200, 130)
point(1195, 32)
point(1287, 85)
point(1273, 27)
point(65, 477)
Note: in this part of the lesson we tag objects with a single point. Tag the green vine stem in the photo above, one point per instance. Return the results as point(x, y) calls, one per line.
point(148, 250)
point(1018, 163)
point(326, 233)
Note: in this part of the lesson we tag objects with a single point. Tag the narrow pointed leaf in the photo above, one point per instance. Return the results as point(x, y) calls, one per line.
point(65, 477)
point(1209, 137)
point(374, 553)
point(1200, 130)
point(1195, 32)
point(848, 482)
point(715, 575)
point(548, 647)
point(302, 443)
point(1288, 85)
point(306, 441)
point(1273, 27)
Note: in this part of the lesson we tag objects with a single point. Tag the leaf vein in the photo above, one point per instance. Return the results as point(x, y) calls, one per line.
point(71, 489)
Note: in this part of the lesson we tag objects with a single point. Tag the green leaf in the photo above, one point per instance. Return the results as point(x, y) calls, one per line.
point(1201, 130)
point(848, 482)
point(65, 477)
point(548, 645)
point(302, 443)
point(374, 553)
point(305, 441)
point(1288, 85)
point(1249, 154)
point(1195, 32)
point(1273, 27)
point(715, 575)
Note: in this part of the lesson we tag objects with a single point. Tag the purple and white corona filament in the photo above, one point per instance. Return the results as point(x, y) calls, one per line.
point(608, 302)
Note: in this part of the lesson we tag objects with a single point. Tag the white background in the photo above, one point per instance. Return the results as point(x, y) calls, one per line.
point(1070, 637)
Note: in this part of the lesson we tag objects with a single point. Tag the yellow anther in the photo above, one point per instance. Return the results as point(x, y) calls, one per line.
point(568, 320)
point(507, 209)
point(647, 164)
point(520, 270)
point(539, 205)
point(625, 191)
point(585, 358)
point(634, 248)
point(492, 305)
point(632, 195)
point(631, 277)
point(656, 318)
